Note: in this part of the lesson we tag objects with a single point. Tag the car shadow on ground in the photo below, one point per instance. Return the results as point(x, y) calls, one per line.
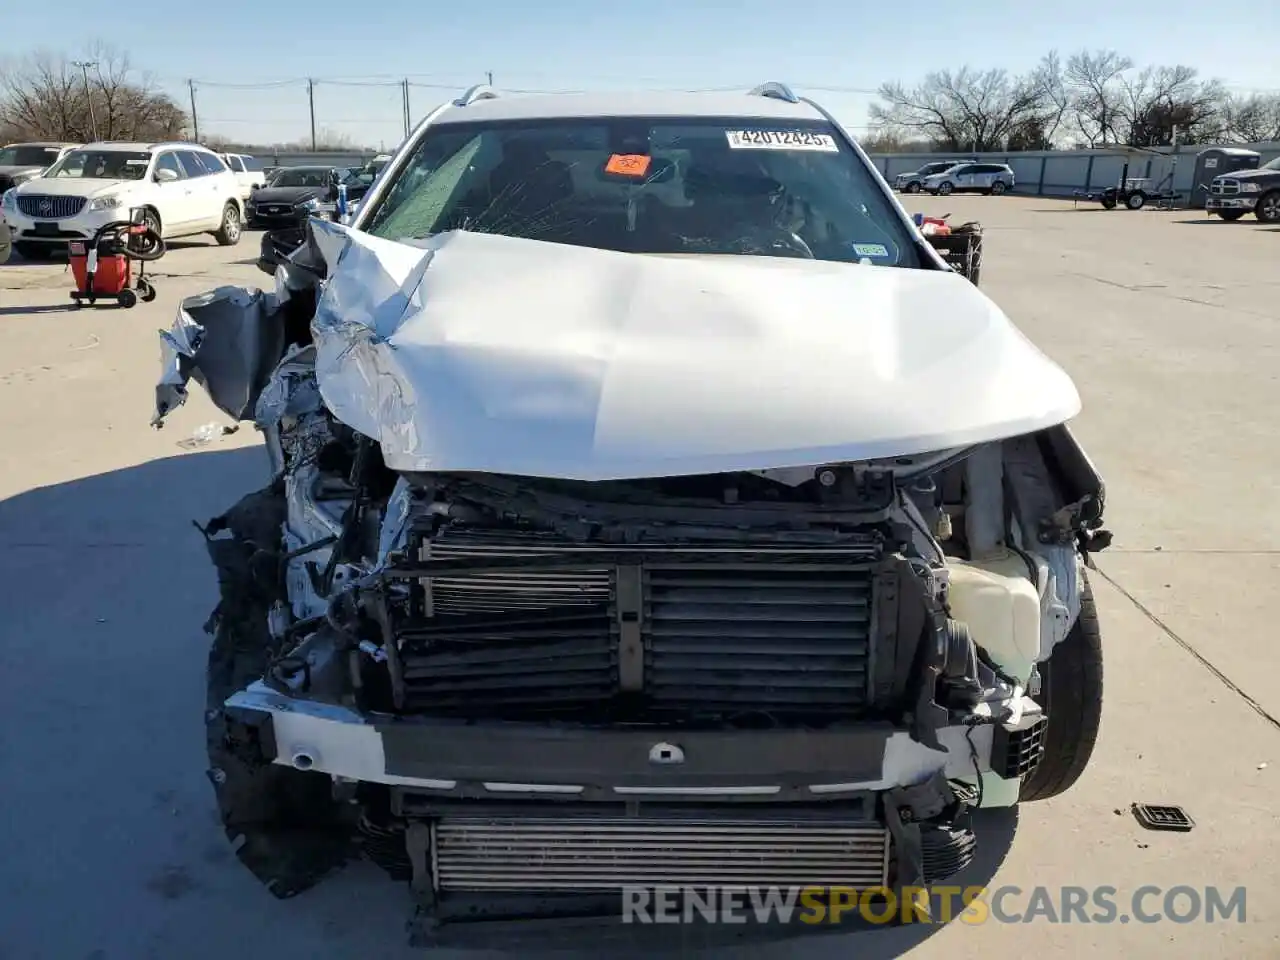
point(46, 308)
point(1205, 221)
point(102, 668)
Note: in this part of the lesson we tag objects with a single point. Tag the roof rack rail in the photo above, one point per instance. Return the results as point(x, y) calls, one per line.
point(481, 91)
point(775, 91)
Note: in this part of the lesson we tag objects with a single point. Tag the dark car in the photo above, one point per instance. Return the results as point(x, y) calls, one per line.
point(296, 193)
point(1232, 195)
point(20, 162)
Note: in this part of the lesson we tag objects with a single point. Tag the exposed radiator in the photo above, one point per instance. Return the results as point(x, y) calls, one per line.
point(760, 629)
point(473, 853)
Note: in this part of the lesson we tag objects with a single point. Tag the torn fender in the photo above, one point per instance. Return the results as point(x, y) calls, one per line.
point(229, 341)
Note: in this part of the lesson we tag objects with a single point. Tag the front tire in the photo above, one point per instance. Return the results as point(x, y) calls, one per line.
point(228, 234)
point(1071, 696)
point(1136, 201)
point(912, 187)
point(1268, 209)
point(945, 188)
point(151, 220)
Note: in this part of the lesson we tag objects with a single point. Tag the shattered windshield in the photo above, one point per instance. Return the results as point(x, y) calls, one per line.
point(102, 165)
point(650, 186)
point(19, 156)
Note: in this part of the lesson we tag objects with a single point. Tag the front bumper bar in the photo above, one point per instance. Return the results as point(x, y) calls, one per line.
point(495, 761)
point(1239, 202)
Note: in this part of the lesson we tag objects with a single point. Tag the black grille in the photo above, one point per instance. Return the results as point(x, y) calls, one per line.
point(764, 629)
point(44, 207)
point(758, 635)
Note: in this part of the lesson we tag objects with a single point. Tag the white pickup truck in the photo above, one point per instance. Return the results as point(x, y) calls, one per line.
point(248, 171)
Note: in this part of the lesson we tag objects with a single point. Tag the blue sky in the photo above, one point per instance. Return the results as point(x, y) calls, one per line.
point(576, 44)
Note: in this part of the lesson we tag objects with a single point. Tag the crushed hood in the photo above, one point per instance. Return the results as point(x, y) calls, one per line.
point(473, 352)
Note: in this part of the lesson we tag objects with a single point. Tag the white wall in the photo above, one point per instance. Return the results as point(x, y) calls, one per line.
point(1061, 172)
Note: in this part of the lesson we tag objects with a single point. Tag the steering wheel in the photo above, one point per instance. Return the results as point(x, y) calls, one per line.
point(775, 242)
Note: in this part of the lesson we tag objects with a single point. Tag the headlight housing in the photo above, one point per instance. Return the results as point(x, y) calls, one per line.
point(109, 202)
point(10, 200)
point(311, 204)
point(1249, 187)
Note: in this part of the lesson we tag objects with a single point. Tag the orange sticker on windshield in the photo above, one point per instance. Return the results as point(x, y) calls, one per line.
point(628, 164)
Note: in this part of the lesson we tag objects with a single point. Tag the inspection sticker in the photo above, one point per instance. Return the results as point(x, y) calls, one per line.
point(628, 164)
point(871, 250)
point(781, 140)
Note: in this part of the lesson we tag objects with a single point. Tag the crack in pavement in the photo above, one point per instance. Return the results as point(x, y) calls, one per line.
point(1141, 288)
point(1186, 645)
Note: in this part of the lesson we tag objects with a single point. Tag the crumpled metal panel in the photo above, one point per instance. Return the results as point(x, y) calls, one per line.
point(475, 352)
point(229, 341)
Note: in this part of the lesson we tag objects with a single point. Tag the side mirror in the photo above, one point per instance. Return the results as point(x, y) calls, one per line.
point(165, 175)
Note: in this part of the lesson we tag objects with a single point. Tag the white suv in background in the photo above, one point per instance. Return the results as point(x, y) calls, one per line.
point(248, 172)
point(184, 188)
point(993, 178)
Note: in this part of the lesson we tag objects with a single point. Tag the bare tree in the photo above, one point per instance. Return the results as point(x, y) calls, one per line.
point(1094, 80)
point(1161, 100)
point(1050, 79)
point(42, 97)
point(1253, 119)
point(965, 109)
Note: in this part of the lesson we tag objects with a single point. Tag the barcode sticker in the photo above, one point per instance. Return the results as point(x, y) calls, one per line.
point(781, 140)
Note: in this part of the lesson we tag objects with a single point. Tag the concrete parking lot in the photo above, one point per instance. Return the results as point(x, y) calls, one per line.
point(1170, 324)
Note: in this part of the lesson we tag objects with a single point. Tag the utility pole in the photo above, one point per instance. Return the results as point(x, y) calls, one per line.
point(195, 120)
point(84, 66)
point(490, 76)
point(311, 104)
point(404, 99)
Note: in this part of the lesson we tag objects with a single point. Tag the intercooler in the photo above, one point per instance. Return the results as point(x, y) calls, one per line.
point(537, 625)
point(561, 854)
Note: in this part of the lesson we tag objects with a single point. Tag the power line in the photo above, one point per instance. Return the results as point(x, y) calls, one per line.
point(323, 121)
point(389, 81)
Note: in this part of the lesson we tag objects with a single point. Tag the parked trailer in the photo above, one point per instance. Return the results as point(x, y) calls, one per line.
point(1133, 193)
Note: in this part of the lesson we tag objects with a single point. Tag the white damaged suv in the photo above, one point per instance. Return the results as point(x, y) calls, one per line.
point(648, 503)
point(185, 189)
